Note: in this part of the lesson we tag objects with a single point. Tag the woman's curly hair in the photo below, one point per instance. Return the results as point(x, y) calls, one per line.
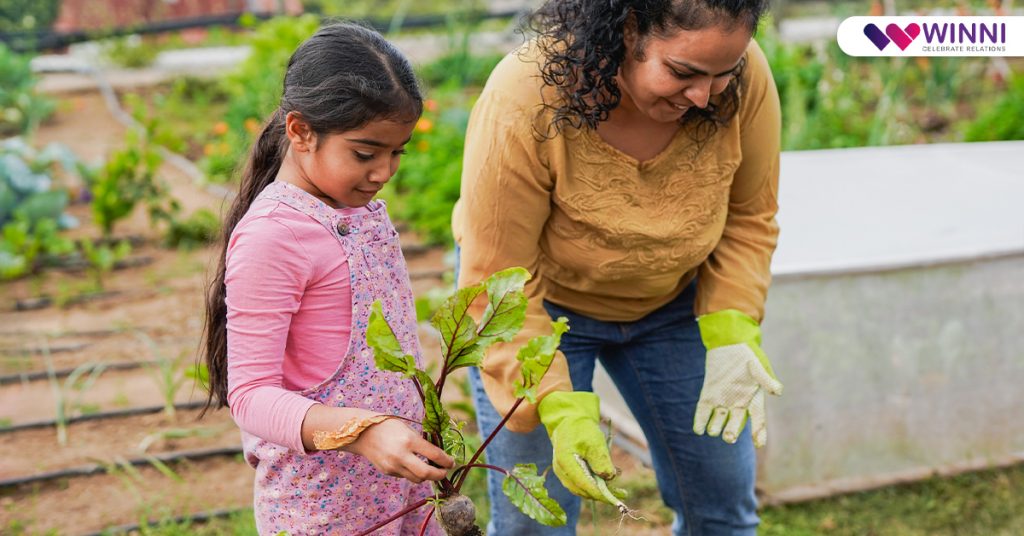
point(582, 42)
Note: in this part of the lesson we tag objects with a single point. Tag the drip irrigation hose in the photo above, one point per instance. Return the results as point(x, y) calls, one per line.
point(131, 412)
point(87, 470)
point(199, 517)
point(26, 377)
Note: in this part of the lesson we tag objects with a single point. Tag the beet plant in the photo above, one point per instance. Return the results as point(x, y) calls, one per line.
point(464, 341)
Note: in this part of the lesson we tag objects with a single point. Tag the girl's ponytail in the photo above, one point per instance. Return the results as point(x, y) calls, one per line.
point(260, 170)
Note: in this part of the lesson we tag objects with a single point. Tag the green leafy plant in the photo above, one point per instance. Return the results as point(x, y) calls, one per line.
point(464, 340)
point(1001, 120)
point(23, 244)
point(126, 179)
point(460, 68)
point(183, 116)
point(254, 91)
point(21, 108)
point(426, 186)
point(130, 51)
point(389, 9)
point(67, 394)
point(201, 228)
point(27, 15)
point(35, 183)
point(170, 374)
point(102, 258)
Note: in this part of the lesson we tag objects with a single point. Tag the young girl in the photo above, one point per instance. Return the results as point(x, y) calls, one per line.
point(307, 253)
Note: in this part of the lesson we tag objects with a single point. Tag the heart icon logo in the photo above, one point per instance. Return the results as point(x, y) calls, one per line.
point(901, 36)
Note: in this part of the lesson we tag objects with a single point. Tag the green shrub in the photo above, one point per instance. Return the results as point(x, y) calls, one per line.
point(459, 68)
point(426, 186)
point(28, 180)
point(21, 109)
point(127, 178)
point(388, 9)
point(24, 243)
point(130, 51)
point(1004, 118)
point(26, 15)
point(254, 91)
point(32, 205)
point(202, 227)
point(102, 258)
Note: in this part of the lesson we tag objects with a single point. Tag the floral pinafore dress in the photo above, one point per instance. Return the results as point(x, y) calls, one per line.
point(335, 492)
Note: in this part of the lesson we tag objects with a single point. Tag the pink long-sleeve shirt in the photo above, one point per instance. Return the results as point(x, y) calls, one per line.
point(289, 309)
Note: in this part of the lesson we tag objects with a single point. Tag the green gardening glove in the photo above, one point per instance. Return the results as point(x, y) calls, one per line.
point(736, 376)
point(571, 419)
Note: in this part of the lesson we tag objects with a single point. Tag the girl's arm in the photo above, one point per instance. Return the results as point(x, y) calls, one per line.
point(266, 273)
point(391, 446)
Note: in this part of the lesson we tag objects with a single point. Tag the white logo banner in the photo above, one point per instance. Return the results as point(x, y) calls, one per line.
point(932, 36)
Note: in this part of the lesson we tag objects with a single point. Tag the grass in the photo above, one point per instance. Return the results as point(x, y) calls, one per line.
point(982, 503)
point(989, 503)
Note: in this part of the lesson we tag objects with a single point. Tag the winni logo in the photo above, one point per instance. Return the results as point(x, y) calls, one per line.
point(932, 36)
point(901, 36)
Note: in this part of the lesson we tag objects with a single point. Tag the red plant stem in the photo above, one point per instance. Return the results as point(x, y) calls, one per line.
point(487, 466)
point(440, 381)
point(447, 488)
point(406, 510)
point(423, 400)
point(426, 521)
point(419, 389)
point(479, 451)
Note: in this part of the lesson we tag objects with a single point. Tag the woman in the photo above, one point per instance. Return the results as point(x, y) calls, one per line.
point(628, 157)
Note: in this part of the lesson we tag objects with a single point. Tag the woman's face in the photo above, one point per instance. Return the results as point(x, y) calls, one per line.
point(680, 71)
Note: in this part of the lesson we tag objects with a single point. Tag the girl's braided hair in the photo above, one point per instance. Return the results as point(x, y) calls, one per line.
point(582, 42)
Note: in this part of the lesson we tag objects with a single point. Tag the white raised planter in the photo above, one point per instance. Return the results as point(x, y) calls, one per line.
point(896, 317)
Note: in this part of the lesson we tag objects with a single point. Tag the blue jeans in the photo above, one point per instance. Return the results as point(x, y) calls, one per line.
point(657, 363)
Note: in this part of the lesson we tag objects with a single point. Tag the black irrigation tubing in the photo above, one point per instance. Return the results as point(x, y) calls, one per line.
point(60, 334)
point(131, 412)
point(18, 352)
point(87, 470)
point(38, 375)
point(199, 517)
point(49, 40)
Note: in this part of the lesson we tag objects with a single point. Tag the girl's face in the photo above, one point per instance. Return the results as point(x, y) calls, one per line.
point(680, 71)
point(344, 169)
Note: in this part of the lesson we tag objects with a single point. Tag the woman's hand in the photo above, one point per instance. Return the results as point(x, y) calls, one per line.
point(580, 453)
point(397, 450)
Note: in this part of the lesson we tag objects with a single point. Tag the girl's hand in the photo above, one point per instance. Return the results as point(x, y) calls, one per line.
point(397, 450)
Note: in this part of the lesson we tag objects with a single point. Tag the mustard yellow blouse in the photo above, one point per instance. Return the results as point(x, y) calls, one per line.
point(603, 234)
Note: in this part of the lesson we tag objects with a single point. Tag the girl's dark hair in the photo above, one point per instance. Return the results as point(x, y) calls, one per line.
point(582, 42)
point(340, 79)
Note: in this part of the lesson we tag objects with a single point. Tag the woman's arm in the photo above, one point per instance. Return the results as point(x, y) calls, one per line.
point(737, 273)
point(504, 204)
